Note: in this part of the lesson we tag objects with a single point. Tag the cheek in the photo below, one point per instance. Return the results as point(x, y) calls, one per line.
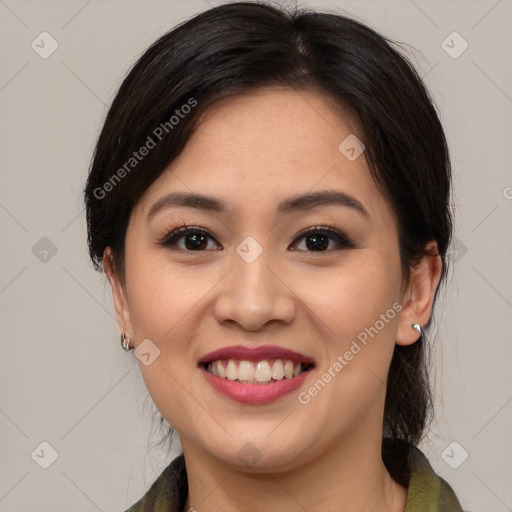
point(353, 298)
point(160, 294)
point(163, 305)
point(357, 315)
point(359, 306)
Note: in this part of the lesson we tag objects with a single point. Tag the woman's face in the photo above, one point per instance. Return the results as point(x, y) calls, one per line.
point(250, 278)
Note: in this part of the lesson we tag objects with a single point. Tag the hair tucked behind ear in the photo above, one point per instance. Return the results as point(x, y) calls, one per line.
point(238, 47)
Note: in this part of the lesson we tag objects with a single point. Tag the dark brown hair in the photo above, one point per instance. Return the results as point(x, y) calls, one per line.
point(236, 48)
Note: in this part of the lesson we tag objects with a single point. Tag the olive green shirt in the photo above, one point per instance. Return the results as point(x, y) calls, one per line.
point(427, 492)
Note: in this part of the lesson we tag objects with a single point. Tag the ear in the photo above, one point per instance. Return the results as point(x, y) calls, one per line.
point(118, 294)
point(418, 298)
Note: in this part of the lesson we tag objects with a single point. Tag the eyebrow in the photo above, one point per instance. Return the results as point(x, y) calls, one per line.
point(300, 202)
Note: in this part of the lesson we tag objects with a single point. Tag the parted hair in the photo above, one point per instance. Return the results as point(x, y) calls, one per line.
point(239, 47)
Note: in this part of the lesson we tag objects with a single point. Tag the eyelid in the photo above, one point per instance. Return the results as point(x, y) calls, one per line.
point(337, 235)
point(329, 229)
point(183, 230)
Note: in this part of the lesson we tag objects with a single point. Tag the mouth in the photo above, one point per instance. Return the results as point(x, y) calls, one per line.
point(255, 375)
point(265, 371)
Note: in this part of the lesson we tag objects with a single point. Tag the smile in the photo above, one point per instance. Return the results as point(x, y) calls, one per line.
point(266, 371)
point(256, 375)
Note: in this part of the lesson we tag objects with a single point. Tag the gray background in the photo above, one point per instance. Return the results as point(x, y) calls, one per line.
point(65, 379)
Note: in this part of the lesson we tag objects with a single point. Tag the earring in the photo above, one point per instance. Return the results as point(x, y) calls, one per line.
point(125, 342)
point(417, 327)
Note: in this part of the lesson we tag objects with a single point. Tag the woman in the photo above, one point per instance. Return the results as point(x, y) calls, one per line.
point(270, 200)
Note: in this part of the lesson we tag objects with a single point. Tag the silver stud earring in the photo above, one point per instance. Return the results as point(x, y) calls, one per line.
point(417, 327)
point(125, 342)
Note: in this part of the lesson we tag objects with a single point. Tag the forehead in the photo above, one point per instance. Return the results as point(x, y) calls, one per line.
point(257, 149)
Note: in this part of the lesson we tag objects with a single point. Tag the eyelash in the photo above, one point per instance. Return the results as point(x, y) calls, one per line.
point(340, 238)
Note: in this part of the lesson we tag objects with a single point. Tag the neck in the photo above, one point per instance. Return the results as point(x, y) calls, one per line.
point(347, 477)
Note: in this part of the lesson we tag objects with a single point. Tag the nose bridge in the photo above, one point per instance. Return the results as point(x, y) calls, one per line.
point(251, 263)
point(253, 295)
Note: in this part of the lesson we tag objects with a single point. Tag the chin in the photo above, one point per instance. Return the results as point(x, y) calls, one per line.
point(259, 452)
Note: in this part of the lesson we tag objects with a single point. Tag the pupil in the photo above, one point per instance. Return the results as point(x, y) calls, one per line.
point(322, 244)
point(198, 241)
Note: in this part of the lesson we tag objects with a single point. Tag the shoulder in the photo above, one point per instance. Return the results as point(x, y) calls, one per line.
point(168, 492)
point(427, 490)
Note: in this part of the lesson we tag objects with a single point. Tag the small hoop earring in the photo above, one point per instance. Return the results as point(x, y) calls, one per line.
point(417, 327)
point(125, 342)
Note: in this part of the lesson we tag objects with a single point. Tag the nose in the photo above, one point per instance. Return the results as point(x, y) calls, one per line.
point(254, 293)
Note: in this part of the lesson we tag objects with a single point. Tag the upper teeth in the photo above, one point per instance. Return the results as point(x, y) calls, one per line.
point(260, 372)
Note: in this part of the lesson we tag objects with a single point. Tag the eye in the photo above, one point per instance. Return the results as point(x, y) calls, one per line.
point(317, 238)
point(195, 238)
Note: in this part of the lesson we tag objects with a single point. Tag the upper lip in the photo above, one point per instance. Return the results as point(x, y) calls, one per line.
point(256, 354)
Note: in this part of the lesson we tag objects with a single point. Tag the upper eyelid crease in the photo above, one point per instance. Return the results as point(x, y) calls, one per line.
point(292, 204)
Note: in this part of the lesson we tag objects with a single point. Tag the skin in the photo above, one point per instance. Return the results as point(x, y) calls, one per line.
point(252, 151)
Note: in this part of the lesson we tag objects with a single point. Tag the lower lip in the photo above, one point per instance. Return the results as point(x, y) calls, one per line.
point(255, 393)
